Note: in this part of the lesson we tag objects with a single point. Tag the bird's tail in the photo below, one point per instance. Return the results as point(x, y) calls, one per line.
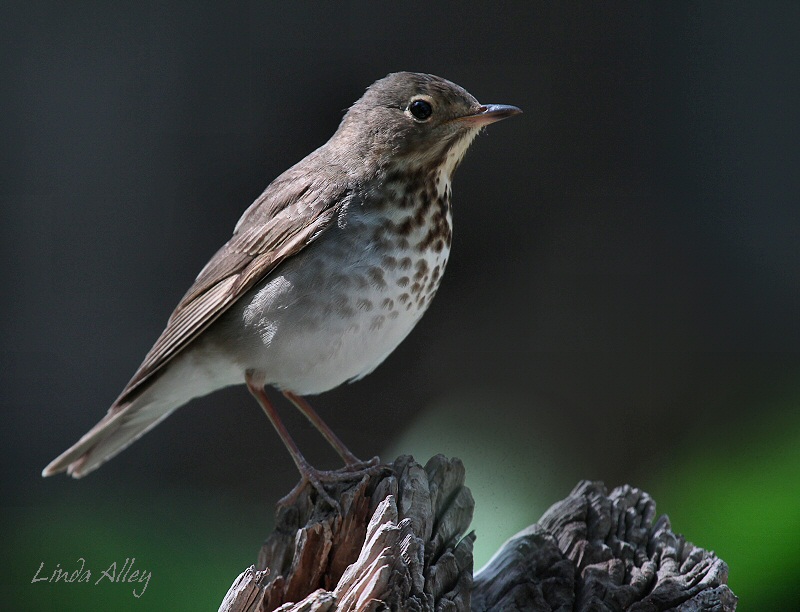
point(124, 424)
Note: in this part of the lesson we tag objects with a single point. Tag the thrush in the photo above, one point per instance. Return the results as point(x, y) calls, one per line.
point(325, 274)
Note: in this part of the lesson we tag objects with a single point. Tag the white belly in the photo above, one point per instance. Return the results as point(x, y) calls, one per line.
point(335, 311)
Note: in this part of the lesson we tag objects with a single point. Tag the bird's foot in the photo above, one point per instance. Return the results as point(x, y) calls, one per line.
point(319, 478)
point(357, 465)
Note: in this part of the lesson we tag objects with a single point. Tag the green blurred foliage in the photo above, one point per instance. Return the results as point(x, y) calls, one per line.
point(194, 546)
point(736, 491)
point(733, 489)
point(513, 472)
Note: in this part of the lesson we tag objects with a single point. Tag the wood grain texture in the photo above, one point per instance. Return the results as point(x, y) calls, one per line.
point(400, 543)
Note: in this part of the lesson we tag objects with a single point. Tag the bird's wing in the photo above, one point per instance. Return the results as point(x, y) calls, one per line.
point(292, 212)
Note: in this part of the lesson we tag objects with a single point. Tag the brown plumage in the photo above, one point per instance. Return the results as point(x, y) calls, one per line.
point(290, 300)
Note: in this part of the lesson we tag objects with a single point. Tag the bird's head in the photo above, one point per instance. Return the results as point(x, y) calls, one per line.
point(417, 120)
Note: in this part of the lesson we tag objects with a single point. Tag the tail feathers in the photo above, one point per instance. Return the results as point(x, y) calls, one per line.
point(123, 425)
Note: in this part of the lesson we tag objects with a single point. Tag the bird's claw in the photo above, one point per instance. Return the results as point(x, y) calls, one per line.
point(318, 479)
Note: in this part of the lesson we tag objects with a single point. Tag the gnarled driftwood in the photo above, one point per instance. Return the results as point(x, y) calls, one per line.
point(398, 543)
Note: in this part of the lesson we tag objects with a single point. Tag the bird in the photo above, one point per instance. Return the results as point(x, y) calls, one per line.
point(326, 272)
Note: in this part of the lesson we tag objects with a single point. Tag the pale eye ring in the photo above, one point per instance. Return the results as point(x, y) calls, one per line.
point(420, 109)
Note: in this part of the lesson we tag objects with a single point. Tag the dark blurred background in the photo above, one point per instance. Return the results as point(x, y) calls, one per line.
point(621, 301)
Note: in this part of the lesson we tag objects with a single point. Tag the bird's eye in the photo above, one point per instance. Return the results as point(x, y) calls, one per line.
point(421, 109)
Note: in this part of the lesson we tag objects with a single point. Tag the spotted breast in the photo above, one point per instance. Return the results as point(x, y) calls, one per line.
point(334, 313)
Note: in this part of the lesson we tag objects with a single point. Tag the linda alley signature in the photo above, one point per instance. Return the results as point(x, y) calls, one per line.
point(124, 574)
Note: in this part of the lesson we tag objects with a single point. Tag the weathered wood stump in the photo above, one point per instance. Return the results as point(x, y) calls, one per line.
point(398, 543)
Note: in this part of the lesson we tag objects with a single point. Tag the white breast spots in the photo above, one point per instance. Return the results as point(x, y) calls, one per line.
point(270, 298)
point(266, 331)
point(341, 221)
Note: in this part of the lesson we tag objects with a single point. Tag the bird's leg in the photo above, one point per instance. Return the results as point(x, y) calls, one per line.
point(255, 384)
point(349, 458)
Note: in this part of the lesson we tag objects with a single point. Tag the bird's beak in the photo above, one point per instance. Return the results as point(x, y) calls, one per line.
point(489, 113)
